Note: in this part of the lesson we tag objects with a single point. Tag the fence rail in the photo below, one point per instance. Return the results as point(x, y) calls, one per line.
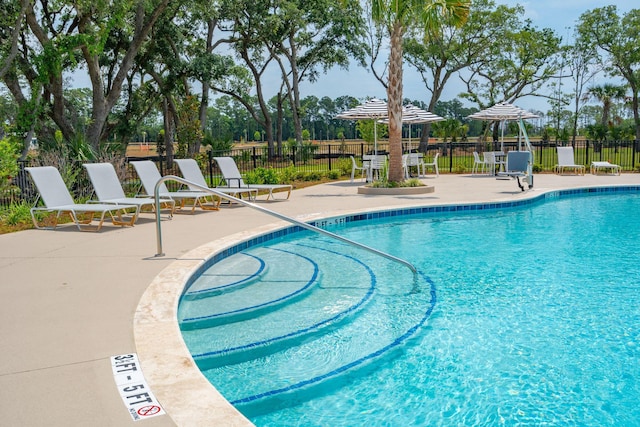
point(455, 157)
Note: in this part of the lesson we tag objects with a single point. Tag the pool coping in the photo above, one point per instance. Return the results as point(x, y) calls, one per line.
point(184, 392)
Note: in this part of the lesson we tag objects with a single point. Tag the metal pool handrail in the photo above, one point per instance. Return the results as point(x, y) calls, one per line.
point(267, 211)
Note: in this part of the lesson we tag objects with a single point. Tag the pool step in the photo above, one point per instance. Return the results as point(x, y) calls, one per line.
point(256, 283)
point(338, 314)
point(230, 273)
point(321, 300)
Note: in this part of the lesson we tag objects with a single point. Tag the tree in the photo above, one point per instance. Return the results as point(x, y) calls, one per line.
point(61, 37)
point(519, 65)
point(616, 38)
point(456, 48)
point(580, 59)
point(606, 94)
point(12, 19)
point(397, 16)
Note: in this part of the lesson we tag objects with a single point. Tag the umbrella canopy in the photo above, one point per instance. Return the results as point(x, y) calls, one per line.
point(373, 109)
point(502, 112)
point(414, 115)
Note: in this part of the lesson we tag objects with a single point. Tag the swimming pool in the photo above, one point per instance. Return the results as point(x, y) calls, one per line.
point(522, 315)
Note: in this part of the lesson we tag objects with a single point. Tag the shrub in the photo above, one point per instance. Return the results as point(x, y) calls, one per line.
point(262, 176)
point(344, 166)
point(333, 174)
point(17, 213)
point(313, 176)
point(8, 162)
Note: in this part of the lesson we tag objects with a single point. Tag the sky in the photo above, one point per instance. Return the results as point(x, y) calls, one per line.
point(555, 14)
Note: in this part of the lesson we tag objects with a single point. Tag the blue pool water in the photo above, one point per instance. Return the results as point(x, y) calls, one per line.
point(519, 316)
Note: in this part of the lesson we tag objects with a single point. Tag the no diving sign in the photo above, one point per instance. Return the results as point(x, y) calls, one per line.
point(133, 388)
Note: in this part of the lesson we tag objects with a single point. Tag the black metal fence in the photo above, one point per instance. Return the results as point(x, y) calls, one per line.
point(455, 157)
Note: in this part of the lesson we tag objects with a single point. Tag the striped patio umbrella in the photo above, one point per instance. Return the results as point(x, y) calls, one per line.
point(503, 112)
point(414, 115)
point(373, 109)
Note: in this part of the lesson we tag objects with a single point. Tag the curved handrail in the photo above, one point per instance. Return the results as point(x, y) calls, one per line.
point(267, 211)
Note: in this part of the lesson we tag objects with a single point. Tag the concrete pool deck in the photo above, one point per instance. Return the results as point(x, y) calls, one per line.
point(69, 298)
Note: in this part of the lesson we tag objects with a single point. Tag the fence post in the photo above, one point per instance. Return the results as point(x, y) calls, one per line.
point(329, 154)
point(210, 157)
point(586, 152)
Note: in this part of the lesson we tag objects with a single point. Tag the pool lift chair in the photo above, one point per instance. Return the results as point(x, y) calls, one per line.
point(520, 163)
point(518, 166)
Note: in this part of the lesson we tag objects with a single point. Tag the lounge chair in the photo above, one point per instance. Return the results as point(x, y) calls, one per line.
point(56, 198)
point(566, 161)
point(605, 166)
point(518, 167)
point(233, 178)
point(108, 189)
point(191, 172)
point(149, 176)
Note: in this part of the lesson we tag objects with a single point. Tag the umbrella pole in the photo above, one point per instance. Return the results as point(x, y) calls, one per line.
point(375, 137)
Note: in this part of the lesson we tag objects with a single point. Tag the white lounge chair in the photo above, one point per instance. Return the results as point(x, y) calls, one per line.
point(108, 189)
point(605, 166)
point(518, 167)
point(56, 198)
point(566, 161)
point(233, 178)
point(191, 172)
point(149, 176)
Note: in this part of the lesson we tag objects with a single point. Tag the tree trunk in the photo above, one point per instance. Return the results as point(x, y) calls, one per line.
point(424, 138)
point(636, 114)
point(394, 95)
point(168, 131)
point(105, 98)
